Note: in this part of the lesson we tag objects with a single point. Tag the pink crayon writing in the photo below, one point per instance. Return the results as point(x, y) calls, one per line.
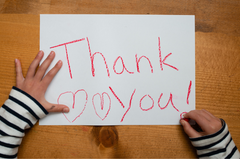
point(92, 59)
point(105, 94)
point(138, 60)
point(130, 101)
point(140, 103)
point(189, 91)
point(74, 102)
point(123, 66)
point(101, 104)
point(162, 61)
point(170, 100)
point(65, 44)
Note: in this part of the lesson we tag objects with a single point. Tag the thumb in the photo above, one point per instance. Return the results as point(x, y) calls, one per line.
point(189, 130)
point(57, 108)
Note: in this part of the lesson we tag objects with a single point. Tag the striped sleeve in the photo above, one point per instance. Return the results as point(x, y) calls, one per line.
point(218, 145)
point(19, 112)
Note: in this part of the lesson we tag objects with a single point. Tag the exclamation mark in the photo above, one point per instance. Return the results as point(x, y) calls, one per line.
point(189, 90)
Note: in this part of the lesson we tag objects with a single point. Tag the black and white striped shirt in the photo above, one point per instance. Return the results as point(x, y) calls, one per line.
point(21, 111)
point(217, 145)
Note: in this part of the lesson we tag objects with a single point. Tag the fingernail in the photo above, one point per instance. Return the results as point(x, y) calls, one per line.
point(16, 60)
point(40, 52)
point(59, 62)
point(51, 53)
point(65, 110)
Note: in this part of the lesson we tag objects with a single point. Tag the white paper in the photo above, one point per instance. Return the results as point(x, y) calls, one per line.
point(155, 52)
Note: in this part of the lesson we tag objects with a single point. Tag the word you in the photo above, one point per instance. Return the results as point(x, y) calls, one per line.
point(124, 106)
point(118, 59)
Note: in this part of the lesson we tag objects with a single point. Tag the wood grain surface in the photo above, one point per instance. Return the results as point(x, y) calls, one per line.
point(217, 76)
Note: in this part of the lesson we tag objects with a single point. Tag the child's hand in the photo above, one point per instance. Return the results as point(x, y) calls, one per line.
point(35, 85)
point(208, 123)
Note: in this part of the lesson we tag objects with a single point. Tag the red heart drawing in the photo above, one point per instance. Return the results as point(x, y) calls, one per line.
point(102, 104)
point(74, 103)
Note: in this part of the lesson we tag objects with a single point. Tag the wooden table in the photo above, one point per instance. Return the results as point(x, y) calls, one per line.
point(217, 77)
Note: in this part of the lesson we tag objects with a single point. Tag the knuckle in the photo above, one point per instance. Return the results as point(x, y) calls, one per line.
point(43, 67)
point(48, 59)
point(51, 73)
point(32, 66)
point(29, 84)
point(197, 116)
point(214, 127)
point(191, 112)
point(18, 74)
point(202, 110)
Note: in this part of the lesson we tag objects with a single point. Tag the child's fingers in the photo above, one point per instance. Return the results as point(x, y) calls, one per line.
point(198, 117)
point(57, 108)
point(189, 130)
point(51, 74)
point(32, 68)
point(44, 66)
point(19, 75)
